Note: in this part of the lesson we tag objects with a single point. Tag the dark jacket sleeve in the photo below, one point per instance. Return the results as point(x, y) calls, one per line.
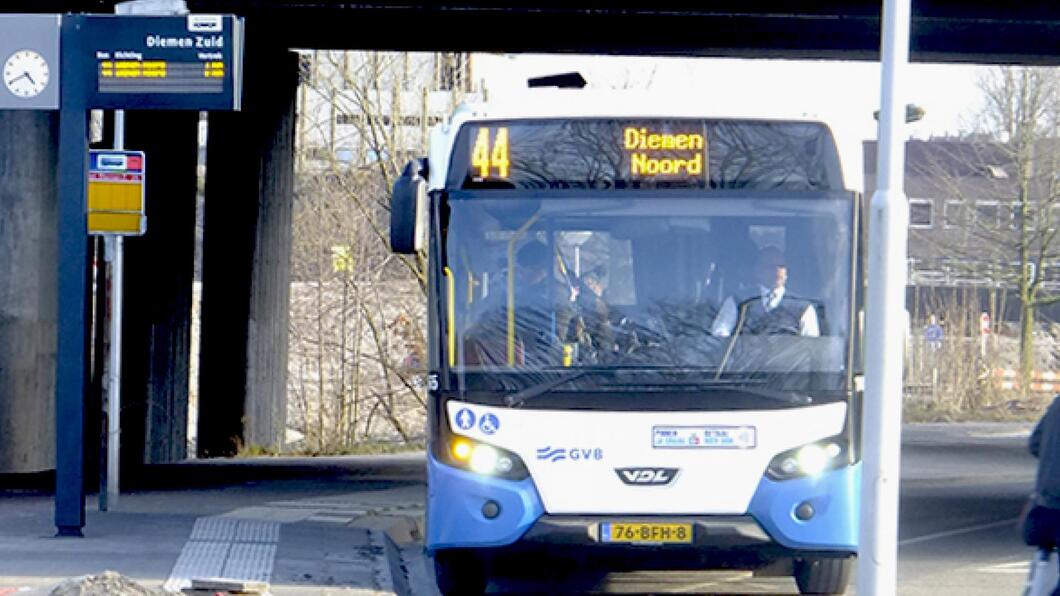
point(1034, 445)
point(1035, 442)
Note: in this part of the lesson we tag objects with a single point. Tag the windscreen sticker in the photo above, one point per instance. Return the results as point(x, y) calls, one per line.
point(703, 437)
point(465, 419)
point(489, 424)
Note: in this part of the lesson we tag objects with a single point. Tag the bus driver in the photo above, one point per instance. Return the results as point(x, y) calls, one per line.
point(771, 311)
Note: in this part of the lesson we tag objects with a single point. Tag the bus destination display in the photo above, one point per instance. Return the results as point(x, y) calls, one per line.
point(653, 153)
point(611, 153)
point(621, 154)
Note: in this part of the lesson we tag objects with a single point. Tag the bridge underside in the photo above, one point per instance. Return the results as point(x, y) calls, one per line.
point(942, 30)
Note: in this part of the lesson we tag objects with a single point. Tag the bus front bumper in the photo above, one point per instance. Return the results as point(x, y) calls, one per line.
point(467, 510)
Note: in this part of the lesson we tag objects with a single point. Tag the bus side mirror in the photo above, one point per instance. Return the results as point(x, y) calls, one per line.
point(408, 211)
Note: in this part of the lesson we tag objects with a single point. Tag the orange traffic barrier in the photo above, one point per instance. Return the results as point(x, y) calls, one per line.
point(1044, 381)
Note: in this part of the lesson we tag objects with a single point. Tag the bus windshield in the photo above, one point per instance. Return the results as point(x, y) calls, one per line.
point(678, 289)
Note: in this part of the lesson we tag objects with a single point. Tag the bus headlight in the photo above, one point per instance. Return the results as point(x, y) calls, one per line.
point(484, 459)
point(809, 460)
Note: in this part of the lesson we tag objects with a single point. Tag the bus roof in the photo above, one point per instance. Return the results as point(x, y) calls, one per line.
point(581, 103)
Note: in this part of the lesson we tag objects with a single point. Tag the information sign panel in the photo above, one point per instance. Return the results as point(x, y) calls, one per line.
point(116, 193)
point(188, 62)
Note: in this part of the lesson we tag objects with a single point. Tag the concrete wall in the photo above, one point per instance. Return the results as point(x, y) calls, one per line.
point(246, 252)
point(28, 243)
point(159, 269)
point(267, 325)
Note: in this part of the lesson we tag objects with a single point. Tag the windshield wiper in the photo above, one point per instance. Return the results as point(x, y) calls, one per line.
point(756, 387)
point(521, 397)
point(753, 387)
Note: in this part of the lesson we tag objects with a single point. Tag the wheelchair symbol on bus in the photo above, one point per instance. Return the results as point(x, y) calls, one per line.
point(489, 424)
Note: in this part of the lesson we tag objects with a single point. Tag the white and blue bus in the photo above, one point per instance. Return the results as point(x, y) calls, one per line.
point(642, 340)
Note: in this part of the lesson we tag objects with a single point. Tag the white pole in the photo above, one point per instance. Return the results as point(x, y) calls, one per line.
point(884, 338)
point(116, 257)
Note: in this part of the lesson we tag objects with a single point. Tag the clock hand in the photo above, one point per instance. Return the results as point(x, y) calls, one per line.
point(23, 75)
point(31, 81)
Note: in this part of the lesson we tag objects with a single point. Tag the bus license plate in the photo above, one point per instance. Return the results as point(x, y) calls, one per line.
point(632, 533)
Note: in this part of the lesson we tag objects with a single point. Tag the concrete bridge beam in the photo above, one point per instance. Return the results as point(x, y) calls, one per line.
point(28, 289)
point(246, 252)
point(159, 271)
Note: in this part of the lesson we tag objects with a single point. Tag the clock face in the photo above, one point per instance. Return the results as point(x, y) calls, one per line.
point(26, 73)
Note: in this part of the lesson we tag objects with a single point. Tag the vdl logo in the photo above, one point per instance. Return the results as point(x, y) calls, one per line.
point(572, 454)
point(647, 476)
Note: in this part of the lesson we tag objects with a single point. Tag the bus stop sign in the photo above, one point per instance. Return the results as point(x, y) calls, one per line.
point(116, 193)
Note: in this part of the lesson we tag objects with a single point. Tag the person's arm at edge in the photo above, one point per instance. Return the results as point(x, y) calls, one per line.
point(1035, 442)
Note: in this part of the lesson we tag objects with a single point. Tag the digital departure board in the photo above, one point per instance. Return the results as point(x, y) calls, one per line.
point(190, 62)
point(609, 153)
point(160, 76)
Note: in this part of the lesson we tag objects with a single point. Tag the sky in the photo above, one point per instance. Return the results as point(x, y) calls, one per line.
point(843, 94)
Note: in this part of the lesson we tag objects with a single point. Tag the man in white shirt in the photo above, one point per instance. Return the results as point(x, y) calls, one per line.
point(769, 312)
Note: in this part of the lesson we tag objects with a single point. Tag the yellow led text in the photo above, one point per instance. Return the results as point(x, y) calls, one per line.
point(639, 141)
point(485, 158)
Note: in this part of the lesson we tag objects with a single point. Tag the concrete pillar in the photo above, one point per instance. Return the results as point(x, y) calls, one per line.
point(28, 289)
point(246, 250)
point(159, 268)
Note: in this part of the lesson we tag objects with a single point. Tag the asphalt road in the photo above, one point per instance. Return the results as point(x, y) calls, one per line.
point(962, 490)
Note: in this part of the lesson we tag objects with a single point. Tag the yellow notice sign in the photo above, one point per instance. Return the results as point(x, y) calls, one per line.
point(116, 193)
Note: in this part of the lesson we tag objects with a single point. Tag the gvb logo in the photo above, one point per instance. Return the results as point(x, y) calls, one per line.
point(647, 476)
point(572, 454)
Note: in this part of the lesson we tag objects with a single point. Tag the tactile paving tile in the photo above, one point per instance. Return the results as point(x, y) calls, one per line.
point(197, 559)
point(229, 548)
point(250, 530)
point(215, 529)
point(251, 562)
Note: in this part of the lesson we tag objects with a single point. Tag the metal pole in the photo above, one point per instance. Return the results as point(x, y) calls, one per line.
point(884, 338)
point(73, 283)
point(116, 258)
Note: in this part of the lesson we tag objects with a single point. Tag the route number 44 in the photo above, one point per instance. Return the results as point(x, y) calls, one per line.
point(486, 158)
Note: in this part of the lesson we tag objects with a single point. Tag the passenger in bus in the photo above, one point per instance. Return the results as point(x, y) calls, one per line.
point(541, 304)
point(539, 309)
point(769, 310)
point(591, 325)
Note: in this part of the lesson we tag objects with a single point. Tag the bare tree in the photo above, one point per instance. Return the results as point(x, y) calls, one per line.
point(1002, 185)
point(357, 309)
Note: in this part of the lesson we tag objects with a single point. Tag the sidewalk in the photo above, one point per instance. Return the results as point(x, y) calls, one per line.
point(306, 526)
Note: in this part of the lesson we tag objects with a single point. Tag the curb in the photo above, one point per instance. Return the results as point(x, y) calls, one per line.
point(384, 571)
point(402, 533)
